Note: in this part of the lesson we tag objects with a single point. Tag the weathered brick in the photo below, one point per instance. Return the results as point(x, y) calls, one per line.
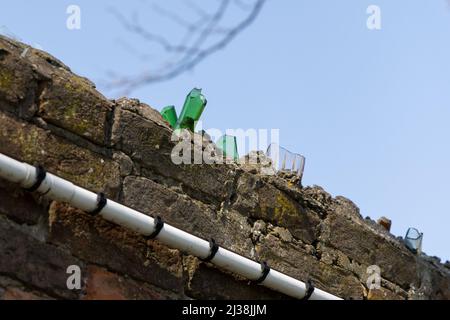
point(97, 241)
point(72, 103)
point(142, 134)
point(228, 228)
point(382, 294)
point(260, 200)
point(11, 289)
point(433, 282)
point(358, 242)
point(293, 260)
point(31, 144)
point(37, 264)
point(19, 294)
point(104, 285)
point(32, 81)
point(19, 205)
point(18, 81)
point(209, 283)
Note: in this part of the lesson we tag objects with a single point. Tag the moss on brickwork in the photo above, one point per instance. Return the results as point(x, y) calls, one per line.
point(6, 79)
point(72, 103)
point(284, 207)
point(34, 145)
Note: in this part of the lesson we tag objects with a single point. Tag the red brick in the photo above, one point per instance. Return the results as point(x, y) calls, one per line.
point(19, 294)
point(104, 285)
point(100, 242)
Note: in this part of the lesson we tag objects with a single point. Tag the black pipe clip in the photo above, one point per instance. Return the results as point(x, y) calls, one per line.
point(159, 224)
point(41, 174)
point(265, 269)
point(101, 203)
point(213, 250)
point(309, 290)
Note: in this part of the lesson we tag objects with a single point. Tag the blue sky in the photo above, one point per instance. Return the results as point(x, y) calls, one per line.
point(368, 108)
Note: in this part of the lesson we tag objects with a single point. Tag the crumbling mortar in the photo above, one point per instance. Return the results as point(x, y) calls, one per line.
point(29, 106)
point(109, 123)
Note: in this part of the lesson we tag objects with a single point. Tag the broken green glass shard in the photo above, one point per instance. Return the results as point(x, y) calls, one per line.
point(192, 110)
point(170, 115)
point(228, 145)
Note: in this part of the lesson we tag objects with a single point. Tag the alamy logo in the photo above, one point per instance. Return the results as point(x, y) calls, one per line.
point(196, 148)
point(74, 280)
point(73, 21)
point(374, 277)
point(374, 19)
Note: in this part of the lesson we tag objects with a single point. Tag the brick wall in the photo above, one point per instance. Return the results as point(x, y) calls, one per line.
point(50, 116)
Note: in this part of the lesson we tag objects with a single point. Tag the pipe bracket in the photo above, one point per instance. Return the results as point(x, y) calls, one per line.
point(159, 224)
point(309, 290)
point(265, 272)
point(41, 174)
point(213, 250)
point(101, 203)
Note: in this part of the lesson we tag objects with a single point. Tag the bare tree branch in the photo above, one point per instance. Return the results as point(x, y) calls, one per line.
point(133, 25)
point(244, 5)
point(202, 38)
point(175, 18)
point(194, 7)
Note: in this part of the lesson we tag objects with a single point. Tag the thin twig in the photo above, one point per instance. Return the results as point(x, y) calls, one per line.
point(189, 53)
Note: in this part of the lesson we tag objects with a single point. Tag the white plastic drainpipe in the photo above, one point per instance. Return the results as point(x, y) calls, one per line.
point(64, 191)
